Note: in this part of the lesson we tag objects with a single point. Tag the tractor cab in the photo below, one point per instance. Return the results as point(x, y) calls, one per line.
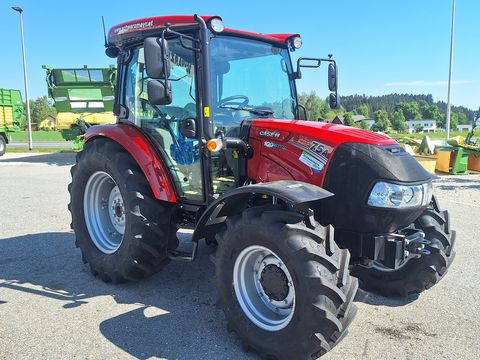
point(188, 81)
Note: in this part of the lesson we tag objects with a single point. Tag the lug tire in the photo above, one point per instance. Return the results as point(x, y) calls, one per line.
point(324, 289)
point(149, 224)
point(3, 145)
point(417, 274)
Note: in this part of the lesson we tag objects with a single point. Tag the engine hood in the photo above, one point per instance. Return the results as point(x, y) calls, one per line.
point(332, 133)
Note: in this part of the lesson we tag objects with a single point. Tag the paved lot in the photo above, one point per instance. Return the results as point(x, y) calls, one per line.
point(42, 144)
point(51, 307)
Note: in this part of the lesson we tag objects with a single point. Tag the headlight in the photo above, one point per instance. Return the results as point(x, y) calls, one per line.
point(216, 24)
point(389, 195)
point(297, 42)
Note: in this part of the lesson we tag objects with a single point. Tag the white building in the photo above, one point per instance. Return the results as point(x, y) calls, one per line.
point(464, 127)
point(428, 125)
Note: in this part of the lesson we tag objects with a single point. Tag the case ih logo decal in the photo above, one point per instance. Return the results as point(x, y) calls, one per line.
point(314, 153)
point(270, 134)
point(272, 145)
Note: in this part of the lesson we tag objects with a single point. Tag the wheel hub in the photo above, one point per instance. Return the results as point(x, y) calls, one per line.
point(117, 210)
point(274, 282)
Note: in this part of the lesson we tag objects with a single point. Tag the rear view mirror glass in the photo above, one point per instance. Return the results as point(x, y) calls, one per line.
point(332, 77)
point(159, 92)
point(157, 58)
point(334, 101)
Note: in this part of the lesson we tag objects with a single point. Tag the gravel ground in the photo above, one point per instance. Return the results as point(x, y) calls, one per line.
point(51, 307)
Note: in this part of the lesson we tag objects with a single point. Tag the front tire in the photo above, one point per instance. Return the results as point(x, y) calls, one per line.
point(285, 288)
point(417, 274)
point(123, 232)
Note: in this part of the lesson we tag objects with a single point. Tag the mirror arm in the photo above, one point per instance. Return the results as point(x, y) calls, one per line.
point(182, 37)
point(304, 111)
point(164, 59)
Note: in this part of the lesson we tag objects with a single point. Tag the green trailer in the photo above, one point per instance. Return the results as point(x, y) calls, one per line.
point(12, 115)
point(82, 97)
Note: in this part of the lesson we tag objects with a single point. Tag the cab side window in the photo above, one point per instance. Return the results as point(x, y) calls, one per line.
point(181, 154)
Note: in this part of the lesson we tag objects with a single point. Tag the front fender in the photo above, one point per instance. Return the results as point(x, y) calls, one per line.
point(141, 149)
point(296, 195)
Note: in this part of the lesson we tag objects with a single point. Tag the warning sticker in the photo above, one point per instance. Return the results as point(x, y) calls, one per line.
point(312, 162)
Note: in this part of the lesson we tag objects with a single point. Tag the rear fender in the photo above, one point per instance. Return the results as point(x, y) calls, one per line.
point(298, 196)
point(141, 149)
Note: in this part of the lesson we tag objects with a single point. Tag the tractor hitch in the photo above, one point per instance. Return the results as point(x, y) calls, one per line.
point(393, 249)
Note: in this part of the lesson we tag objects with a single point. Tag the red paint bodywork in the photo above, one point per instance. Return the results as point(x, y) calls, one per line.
point(137, 145)
point(277, 151)
point(133, 27)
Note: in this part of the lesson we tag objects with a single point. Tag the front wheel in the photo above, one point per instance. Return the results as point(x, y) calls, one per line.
point(417, 274)
point(285, 288)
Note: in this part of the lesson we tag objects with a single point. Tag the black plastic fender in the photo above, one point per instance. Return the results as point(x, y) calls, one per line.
point(297, 195)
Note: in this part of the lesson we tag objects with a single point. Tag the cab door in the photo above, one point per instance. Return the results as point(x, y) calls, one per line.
point(161, 123)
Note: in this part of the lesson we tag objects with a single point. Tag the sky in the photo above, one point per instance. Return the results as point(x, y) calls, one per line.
point(381, 47)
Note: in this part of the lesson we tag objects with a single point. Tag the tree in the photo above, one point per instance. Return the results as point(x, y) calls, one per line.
point(348, 119)
point(363, 110)
point(363, 124)
point(381, 121)
point(316, 107)
point(453, 121)
point(418, 128)
point(398, 121)
point(431, 111)
point(462, 118)
point(410, 110)
point(41, 108)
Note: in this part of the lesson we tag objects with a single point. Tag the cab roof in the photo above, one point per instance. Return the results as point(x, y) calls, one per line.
point(137, 30)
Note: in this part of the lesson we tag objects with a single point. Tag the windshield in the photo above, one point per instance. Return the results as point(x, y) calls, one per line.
point(249, 79)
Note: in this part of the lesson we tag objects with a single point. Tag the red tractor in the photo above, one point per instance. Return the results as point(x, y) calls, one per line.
point(208, 137)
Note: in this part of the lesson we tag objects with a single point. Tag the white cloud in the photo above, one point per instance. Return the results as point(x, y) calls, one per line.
point(420, 83)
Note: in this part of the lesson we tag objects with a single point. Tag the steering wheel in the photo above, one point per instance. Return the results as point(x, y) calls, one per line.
point(231, 100)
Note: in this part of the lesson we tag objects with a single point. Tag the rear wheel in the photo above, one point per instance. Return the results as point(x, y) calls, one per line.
point(122, 231)
point(285, 288)
point(417, 274)
point(3, 145)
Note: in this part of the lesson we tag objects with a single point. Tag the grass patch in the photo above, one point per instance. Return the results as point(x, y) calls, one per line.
point(435, 135)
point(37, 136)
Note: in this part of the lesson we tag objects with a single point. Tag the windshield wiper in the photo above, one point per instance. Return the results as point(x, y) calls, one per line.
point(251, 110)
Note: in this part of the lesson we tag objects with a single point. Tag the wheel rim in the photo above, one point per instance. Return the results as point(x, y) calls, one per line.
point(104, 212)
point(2, 145)
point(264, 288)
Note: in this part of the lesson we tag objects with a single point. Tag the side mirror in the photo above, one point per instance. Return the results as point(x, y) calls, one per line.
point(188, 128)
point(157, 58)
point(332, 77)
point(334, 101)
point(159, 92)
